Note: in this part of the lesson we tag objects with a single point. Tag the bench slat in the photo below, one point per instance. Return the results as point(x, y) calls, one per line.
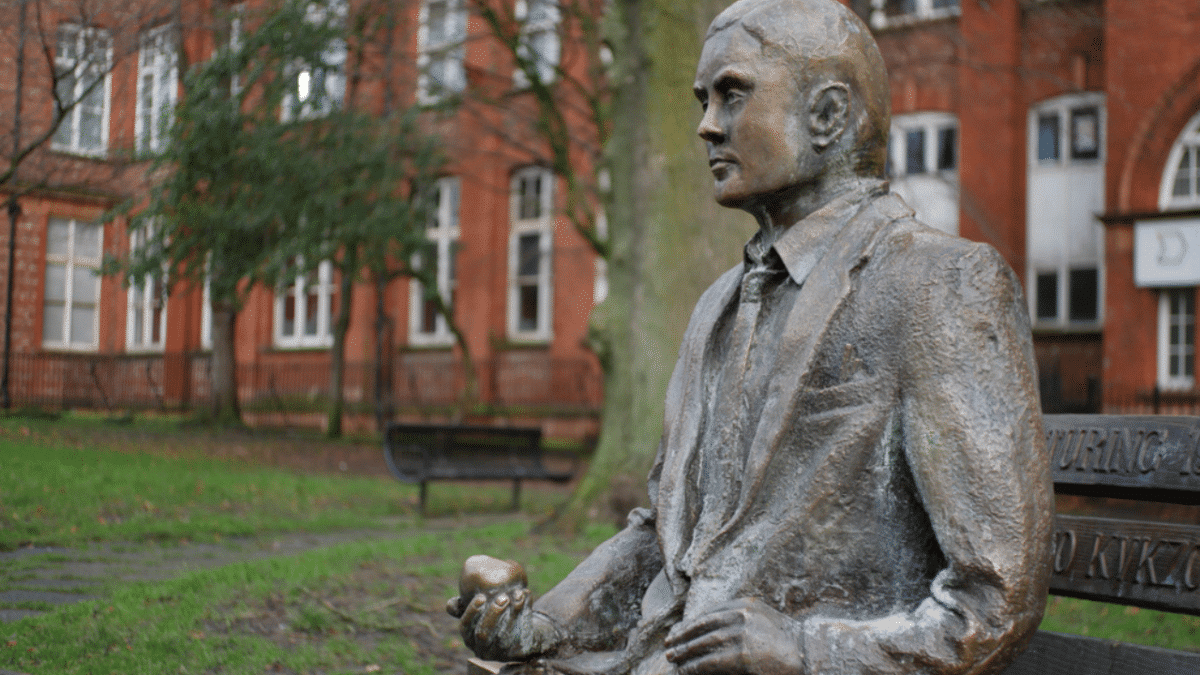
point(1148, 457)
point(1152, 565)
point(1059, 654)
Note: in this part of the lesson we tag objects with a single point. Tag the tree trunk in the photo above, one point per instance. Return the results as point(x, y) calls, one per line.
point(225, 409)
point(384, 409)
point(337, 357)
point(669, 241)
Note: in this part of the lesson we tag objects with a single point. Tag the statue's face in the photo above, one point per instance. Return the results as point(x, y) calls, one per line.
point(752, 124)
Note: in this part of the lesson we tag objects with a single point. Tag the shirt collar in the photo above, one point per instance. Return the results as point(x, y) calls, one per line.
point(807, 240)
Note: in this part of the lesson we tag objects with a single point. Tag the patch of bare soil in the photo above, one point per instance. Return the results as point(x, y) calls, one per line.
point(379, 602)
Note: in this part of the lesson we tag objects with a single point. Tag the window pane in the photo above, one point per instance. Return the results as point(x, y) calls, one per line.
point(52, 322)
point(1047, 296)
point(947, 149)
point(915, 151)
point(84, 285)
point(531, 196)
point(528, 256)
point(1082, 294)
point(58, 237)
point(1183, 173)
point(1048, 132)
point(944, 4)
point(66, 95)
point(436, 25)
point(1085, 133)
point(289, 313)
point(83, 324)
point(137, 297)
point(87, 240)
point(900, 7)
point(56, 283)
point(428, 316)
point(529, 309)
point(311, 302)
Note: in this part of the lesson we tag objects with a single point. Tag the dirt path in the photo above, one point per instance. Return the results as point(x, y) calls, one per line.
point(32, 579)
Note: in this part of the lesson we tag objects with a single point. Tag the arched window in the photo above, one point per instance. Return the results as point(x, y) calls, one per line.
point(1181, 177)
point(1179, 190)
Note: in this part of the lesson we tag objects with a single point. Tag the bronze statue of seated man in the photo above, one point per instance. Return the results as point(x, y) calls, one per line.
point(852, 475)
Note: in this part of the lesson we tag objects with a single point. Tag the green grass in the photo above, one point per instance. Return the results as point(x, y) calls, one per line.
point(58, 489)
point(184, 625)
point(1119, 622)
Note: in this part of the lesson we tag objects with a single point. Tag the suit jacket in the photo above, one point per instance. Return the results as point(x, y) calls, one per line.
point(895, 495)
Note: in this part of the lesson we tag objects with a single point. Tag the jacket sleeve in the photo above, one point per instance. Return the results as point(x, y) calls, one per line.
point(973, 438)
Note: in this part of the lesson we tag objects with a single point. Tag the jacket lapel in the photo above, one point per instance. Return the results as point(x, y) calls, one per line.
point(809, 320)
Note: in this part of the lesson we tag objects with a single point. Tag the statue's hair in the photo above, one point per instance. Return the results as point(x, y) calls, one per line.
point(824, 41)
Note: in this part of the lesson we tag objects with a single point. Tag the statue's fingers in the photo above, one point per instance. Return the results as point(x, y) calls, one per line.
point(718, 662)
point(470, 614)
point(702, 646)
point(520, 597)
point(685, 632)
point(454, 607)
point(491, 617)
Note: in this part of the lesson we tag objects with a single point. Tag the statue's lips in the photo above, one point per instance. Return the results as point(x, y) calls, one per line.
point(720, 165)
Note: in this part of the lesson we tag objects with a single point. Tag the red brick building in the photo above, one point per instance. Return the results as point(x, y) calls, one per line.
point(522, 279)
point(1066, 133)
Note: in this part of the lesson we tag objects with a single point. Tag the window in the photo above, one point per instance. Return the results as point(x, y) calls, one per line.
point(318, 88)
point(529, 255)
point(1177, 338)
point(156, 89)
point(887, 13)
point(146, 314)
point(81, 63)
point(442, 36)
point(540, 45)
point(72, 292)
point(1065, 191)
point(304, 309)
point(923, 166)
point(426, 325)
point(1181, 177)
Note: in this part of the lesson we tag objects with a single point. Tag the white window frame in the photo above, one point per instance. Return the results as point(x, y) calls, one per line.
point(922, 10)
point(443, 233)
point(237, 14)
point(932, 124)
point(78, 67)
point(73, 263)
point(542, 224)
point(157, 88)
point(318, 90)
point(1179, 379)
point(1064, 107)
point(140, 306)
point(445, 53)
point(326, 288)
point(1187, 144)
point(539, 39)
point(206, 315)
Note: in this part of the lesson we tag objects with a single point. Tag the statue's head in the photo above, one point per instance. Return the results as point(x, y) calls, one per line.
point(795, 92)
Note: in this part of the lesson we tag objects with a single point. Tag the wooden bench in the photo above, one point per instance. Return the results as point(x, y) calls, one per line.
point(1121, 551)
point(420, 453)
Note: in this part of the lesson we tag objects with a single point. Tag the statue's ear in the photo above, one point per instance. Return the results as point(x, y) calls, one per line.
point(829, 114)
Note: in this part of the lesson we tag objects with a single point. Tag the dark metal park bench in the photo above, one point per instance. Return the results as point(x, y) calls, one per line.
point(420, 453)
point(1121, 552)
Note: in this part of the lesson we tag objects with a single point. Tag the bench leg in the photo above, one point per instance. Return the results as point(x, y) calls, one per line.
point(516, 504)
point(421, 500)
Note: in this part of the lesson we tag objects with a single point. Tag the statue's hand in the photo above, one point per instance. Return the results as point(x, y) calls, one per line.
point(742, 636)
point(497, 619)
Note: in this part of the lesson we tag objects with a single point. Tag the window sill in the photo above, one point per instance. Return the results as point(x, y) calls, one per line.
point(70, 349)
point(1090, 328)
point(300, 348)
point(889, 23)
point(101, 154)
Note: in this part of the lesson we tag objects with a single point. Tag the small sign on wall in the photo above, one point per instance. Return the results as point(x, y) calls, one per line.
point(1166, 252)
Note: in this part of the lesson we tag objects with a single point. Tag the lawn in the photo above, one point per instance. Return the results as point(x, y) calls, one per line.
point(353, 608)
point(81, 479)
point(361, 607)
